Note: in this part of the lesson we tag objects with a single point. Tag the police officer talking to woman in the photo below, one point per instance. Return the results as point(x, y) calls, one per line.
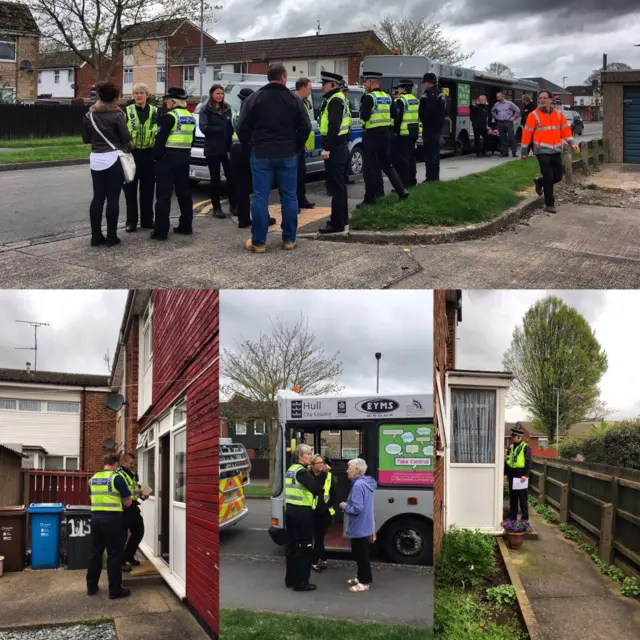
point(432, 117)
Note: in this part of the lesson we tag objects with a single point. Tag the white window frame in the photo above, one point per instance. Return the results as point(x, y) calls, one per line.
point(217, 70)
point(263, 423)
point(244, 425)
point(56, 76)
point(15, 50)
point(162, 46)
point(77, 404)
point(343, 449)
point(15, 404)
point(345, 63)
point(161, 74)
point(545, 441)
point(76, 458)
point(189, 74)
point(48, 457)
point(128, 51)
point(70, 75)
point(182, 428)
point(315, 68)
point(29, 410)
point(334, 432)
point(128, 71)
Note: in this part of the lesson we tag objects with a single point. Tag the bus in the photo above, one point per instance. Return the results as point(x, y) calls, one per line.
point(394, 435)
point(235, 468)
point(461, 86)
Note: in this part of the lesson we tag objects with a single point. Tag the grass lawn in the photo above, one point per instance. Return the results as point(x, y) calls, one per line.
point(471, 199)
point(241, 624)
point(253, 490)
point(27, 143)
point(45, 154)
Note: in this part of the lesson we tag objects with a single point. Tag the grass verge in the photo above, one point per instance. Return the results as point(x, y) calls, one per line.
point(46, 154)
point(471, 199)
point(252, 490)
point(27, 143)
point(242, 624)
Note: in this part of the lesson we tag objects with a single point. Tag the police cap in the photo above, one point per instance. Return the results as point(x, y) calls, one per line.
point(430, 77)
point(175, 93)
point(327, 76)
point(405, 83)
point(245, 93)
point(373, 75)
point(516, 431)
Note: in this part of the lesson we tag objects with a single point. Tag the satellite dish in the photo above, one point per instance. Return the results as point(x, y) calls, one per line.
point(26, 65)
point(109, 443)
point(115, 402)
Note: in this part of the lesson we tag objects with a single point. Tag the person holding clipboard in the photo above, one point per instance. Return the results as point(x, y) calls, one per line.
point(517, 468)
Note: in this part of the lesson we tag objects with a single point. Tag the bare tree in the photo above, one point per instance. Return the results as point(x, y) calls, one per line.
point(288, 356)
point(97, 31)
point(594, 76)
point(419, 37)
point(499, 69)
point(598, 412)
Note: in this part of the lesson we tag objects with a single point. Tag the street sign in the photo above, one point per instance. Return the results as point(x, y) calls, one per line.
point(202, 66)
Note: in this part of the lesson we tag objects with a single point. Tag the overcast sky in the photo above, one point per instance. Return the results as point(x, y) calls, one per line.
point(489, 317)
point(547, 38)
point(84, 325)
point(399, 324)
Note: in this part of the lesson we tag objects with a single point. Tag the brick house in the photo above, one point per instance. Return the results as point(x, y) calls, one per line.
point(560, 94)
point(539, 442)
point(303, 56)
point(166, 368)
point(587, 101)
point(150, 51)
point(19, 42)
point(59, 421)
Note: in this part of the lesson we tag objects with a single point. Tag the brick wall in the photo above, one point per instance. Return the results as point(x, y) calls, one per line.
point(99, 424)
point(354, 70)
point(24, 82)
point(85, 79)
point(260, 68)
point(132, 387)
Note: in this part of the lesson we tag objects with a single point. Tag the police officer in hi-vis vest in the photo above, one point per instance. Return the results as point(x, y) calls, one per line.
point(241, 167)
point(110, 496)
point(303, 91)
point(172, 154)
point(132, 520)
point(142, 122)
point(405, 127)
point(335, 123)
point(375, 117)
point(300, 490)
point(517, 464)
point(344, 87)
point(323, 510)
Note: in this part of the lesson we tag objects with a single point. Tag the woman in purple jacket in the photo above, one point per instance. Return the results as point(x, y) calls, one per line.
point(360, 521)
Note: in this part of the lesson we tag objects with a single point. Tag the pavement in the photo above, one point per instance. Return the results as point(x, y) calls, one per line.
point(54, 597)
point(571, 599)
point(252, 576)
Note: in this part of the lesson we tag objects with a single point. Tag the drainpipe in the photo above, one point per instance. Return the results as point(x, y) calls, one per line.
point(84, 428)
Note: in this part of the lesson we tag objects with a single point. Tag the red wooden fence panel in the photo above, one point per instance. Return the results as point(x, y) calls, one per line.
point(67, 487)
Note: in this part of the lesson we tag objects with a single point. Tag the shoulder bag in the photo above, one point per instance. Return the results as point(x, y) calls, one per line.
point(126, 159)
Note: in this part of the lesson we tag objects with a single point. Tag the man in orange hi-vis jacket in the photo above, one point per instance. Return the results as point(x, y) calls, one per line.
point(546, 130)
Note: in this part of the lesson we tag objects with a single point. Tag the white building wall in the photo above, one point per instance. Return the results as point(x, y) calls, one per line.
point(63, 89)
point(311, 68)
point(192, 87)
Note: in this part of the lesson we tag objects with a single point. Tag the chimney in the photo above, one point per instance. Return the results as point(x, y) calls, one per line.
point(28, 367)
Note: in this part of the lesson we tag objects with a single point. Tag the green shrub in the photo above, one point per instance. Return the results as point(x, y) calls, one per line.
point(570, 533)
point(502, 594)
point(570, 448)
point(613, 572)
point(546, 512)
point(630, 587)
point(619, 446)
point(466, 559)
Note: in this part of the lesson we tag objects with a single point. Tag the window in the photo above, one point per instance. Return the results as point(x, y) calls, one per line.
point(473, 426)
point(147, 337)
point(189, 74)
point(71, 463)
point(29, 405)
point(70, 75)
point(180, 466)
point(241, 428)
point(180, 413)
point(581, 101)
point(56, 77)
point(8, 49)
point(354, 102)
point(313, 68)
point(6, 404)
point(64, 407)
point(160, 74)
point(349, 454)
point(259, 428)
point(543, 443)
point(54, 463)
point(334, 433)
point(29, 461)
point(162, 47)
point(128, 51)
point(39, 77)
point(7, 94)
point(149, 467)
point(128, 76)
point(217, 70)
point(237, 67)
point(341, 67)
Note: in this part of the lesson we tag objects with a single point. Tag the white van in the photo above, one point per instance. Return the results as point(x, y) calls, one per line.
point(233, 82)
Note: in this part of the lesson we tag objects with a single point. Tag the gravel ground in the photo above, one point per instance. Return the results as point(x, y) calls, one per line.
point(593, 194)
point(102, 631)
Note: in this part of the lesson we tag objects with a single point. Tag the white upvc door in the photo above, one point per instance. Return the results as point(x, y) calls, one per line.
point(178, 512)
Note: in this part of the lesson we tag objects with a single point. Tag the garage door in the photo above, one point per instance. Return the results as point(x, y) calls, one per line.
point(631, 125)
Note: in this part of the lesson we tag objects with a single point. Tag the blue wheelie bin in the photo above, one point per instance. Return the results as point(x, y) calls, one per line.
point(45, 534)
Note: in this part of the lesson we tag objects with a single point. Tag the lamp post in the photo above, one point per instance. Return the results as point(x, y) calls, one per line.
point(202, 65)
point(378, 356)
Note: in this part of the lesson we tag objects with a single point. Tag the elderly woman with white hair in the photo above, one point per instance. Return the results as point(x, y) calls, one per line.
point(360, 521)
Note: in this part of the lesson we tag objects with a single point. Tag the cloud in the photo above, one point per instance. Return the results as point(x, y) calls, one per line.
point(83, 326)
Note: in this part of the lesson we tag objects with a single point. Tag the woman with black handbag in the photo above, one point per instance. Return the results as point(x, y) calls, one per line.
point(105, 129)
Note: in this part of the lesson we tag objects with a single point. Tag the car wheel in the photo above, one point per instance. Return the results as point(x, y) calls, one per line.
point(355, 161)
point(409, 541)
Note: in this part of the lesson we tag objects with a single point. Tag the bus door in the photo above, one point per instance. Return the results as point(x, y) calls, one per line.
point(448, 88)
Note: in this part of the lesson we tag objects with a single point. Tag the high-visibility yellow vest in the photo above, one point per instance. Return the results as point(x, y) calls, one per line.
point(515, 456)
point(409, 114)
point(326, 490)
point(310, 144)
point(234, 123)
point(294, 492)
point(104, 495)
point(143, 134)
point(346, 115)
point(131, 483)
point(181, 135)
point(381, 114)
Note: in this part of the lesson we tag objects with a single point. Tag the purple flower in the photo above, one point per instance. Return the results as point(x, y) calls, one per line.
point(518, 526)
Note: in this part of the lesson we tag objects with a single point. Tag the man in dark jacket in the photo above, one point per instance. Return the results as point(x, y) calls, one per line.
point(480, 113)
point(432, 116)
point(132, 520)
point(276, 125)
point(517, 465)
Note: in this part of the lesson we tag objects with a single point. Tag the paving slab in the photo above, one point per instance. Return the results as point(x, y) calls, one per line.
point(160, 625)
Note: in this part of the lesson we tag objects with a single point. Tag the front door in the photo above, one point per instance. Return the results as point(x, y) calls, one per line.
point(165, 497)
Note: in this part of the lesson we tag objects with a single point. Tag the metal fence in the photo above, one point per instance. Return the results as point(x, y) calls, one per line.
point(601, 501)
point(40, 120)
point(68, 487)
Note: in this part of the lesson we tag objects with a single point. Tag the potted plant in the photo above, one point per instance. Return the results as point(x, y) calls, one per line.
point(515, 531)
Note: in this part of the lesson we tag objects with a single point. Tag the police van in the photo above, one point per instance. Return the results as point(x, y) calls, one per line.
point(233, 82)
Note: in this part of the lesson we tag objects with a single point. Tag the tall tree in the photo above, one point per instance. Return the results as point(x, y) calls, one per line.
point(290, 355)
point(419, 37)
point(555, 348)
point(594, 76)
point(499, 69)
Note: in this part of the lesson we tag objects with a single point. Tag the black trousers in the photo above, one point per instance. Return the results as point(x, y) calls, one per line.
point(299, 521)
point(145, 178)
point(173, 171)
point(431, 147)
point(480, 139)
point(106, 533)
point(334, 170)
point(376, 157)
point(321, 522)
point(360, 550)
point(134, 524)
point(107, 185)
point(241, 169)
point(302, 178)
point(551, 169)
point(507, 137)
point(404, 159)
point(518, 497)
point(214, 163)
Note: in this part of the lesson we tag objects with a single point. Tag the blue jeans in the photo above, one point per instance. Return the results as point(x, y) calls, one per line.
point(285, 171)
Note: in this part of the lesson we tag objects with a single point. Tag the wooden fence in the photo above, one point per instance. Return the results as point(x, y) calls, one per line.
point(68, 487)
point(601, 501)
point(40, 120)
point(593, 154)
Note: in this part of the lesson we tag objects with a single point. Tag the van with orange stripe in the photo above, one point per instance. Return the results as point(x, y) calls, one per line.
point(235, 468)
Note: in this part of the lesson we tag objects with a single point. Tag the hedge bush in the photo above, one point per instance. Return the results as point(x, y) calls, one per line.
point(619, 447)
point(570, 448)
